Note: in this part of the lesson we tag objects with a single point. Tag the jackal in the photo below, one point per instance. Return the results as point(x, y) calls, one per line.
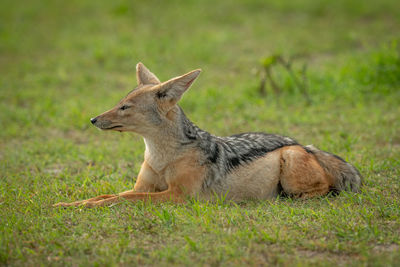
point(181, 160)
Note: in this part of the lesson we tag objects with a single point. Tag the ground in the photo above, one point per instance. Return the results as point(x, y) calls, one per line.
point(63, 62)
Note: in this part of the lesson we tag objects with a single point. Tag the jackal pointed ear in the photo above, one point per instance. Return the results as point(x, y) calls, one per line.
point(173, 89)
point(144, 76)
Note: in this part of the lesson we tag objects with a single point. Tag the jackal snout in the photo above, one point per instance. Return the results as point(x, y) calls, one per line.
point(104, 123)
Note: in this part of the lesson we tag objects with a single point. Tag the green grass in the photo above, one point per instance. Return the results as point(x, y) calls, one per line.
point(62, 62)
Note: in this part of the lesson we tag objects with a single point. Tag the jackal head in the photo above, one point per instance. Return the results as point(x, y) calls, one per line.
point(148, 106)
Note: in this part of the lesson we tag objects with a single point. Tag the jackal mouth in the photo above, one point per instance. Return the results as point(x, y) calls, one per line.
point(113, 127)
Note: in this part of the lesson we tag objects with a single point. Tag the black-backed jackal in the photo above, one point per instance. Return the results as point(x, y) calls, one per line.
point(182, 160)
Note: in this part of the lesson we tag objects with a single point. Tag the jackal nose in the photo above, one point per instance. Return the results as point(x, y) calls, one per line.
point(93, 120)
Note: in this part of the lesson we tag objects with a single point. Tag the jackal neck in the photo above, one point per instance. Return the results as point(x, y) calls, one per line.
point(158, 153)
point(189, 131)
point(171, 141)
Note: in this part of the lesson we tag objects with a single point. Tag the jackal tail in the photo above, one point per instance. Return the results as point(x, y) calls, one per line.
point(345, 176)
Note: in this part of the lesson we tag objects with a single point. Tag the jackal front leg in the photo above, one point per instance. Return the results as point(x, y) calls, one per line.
point(186, 180)
point(174, 195)
point(147, 181)
point(80, 202)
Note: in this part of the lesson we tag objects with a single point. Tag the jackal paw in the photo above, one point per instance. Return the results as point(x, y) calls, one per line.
point(62, 204)
point(70, 204)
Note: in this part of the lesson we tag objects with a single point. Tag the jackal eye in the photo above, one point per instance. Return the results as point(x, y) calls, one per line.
point(124, 107)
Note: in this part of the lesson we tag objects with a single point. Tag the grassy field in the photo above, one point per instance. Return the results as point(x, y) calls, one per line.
point(63, 62)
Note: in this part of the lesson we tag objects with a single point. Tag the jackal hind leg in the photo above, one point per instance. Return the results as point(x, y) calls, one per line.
point(301, 175)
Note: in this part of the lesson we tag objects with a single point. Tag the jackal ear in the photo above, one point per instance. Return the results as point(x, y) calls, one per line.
point(144, 76)
point(173, 89)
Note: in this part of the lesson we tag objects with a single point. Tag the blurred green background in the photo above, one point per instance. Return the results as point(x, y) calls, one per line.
point(63, 62)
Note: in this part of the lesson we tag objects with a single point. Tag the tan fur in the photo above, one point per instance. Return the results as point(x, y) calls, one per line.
point(144, 76)
point(171, 114)
point(345, 177)
point(186, 173)
point(256, 180)
point(301, 174)
point(149, 181)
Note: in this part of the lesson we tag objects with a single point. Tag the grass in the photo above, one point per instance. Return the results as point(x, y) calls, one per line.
point(62, 62)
